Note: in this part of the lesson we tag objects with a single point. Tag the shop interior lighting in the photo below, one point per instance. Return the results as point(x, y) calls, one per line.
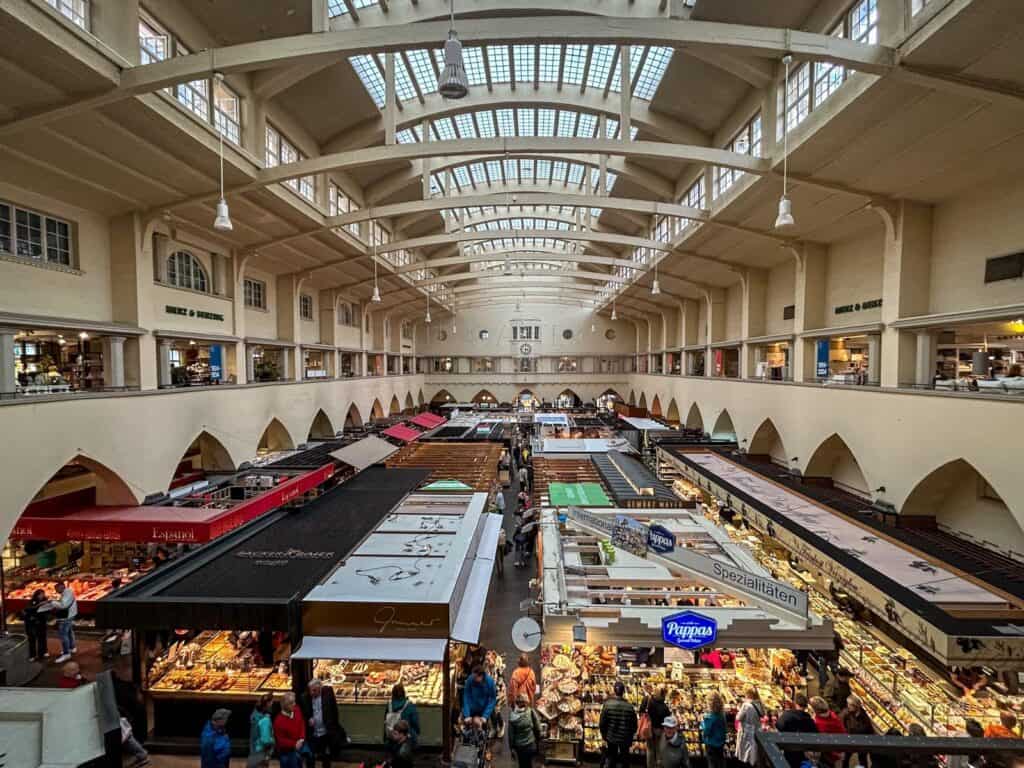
point(453, 84)
point(222, 222)
point(83, 336)
point(785, 217)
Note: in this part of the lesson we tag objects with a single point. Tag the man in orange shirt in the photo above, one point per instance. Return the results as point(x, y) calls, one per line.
point(1005, 729)
point(523, 681)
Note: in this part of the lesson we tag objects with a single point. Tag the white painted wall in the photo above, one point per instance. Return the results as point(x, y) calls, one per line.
point(779, 293)
point(854, 274)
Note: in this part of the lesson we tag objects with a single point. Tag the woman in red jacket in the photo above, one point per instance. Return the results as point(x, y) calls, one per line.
point(827, 721)
point(290, 733)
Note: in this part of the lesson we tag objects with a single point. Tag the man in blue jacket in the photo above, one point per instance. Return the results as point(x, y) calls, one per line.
point(215, 744)
point(479, 698)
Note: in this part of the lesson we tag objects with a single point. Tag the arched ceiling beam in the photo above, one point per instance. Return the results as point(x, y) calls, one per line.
point(394, 183)
point(546, 95)
point(498, 148)
point(458, 277)
point(499, 234)
point(516, 256)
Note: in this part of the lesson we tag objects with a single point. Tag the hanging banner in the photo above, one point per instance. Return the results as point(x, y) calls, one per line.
point(821, 369)
point(216, 362)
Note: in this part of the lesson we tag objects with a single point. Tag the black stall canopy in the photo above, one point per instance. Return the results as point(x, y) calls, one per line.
point(256, 576)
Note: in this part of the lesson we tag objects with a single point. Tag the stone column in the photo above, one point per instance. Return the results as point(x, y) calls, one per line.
point(874, 358)
point(8, 379)
point(113, 361)
point(924, 367)
point(809, 303)
point(286, 363)
point(164, 362)
point(220, 274)
point(249, 368)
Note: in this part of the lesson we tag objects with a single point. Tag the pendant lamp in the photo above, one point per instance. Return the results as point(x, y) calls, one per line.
point(615, 315)
point(222, 222)
point(376, 289)
point(453, 83)
point(655, 286)
point(785, 217)
point(426, 318)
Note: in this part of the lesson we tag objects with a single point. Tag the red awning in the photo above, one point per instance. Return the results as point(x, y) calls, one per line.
point(171, 524)
point(428, 420)
point(403, 433)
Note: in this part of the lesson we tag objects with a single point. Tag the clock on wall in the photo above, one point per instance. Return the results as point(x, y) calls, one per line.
point(525, 349)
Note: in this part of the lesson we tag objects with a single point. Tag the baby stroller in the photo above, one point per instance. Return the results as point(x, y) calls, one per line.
point(473, 751)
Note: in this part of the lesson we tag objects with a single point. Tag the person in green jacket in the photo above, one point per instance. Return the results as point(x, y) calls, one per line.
point(712, 732)
point(618, 727)
point(261, 733)
point(400, 708)
point(523, 731)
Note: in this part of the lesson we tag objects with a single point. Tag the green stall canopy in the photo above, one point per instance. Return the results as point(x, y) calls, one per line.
point(447, 485)
point(577, 495)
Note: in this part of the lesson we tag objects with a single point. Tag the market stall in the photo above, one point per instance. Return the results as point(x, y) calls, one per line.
point(96, 549)
point(219, 624)
point(405, 607)
point(626, 585)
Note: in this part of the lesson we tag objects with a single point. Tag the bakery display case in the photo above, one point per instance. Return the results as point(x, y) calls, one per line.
point(218, 664)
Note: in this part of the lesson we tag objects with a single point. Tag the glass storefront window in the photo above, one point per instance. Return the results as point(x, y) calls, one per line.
point(314, 364)
point(349, 365)
point(195, 363)
point(52, 363)
point(268, 364)
point(772, 362)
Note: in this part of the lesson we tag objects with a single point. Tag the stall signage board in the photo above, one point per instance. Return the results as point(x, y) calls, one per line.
point(630, 535)
point(689, 630)
point(595, 522)
point(216, 362)
point(821, 369)
point(660, 539)
point(578, 494)
point(199, 313)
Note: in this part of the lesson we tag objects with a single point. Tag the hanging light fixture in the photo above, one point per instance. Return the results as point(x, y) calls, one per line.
point(454, 311)
point(426, 318)
point(785, 217)
point(376, 289)
point(593, 327)
point(453, 83)
point(655, 286)
point(222, 223)
point(615, 315)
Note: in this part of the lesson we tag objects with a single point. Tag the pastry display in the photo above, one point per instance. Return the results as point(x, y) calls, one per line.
point(216, 663)
point(357, 682)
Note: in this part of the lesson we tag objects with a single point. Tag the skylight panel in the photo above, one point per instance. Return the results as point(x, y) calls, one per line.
point(587, 127)
point(600, 65)
point(526, 170)
point(418, 131)
point(405, 137)
point(422, 69)
point(522, 56)
point(494, 171)
point(550, 59)
point(497, 58)
point(339, 8)
point(506, 123)
point(475, 71)
point(595, 179)
point(565, 124)
point(652, 72)
point(485, 122)
point(461, 176)
point(610, 178)
point(544, 169)
point(525, 117)
point(575, 173)
point(368, 72)
point(404, 88)
point(575, 61)
point(444, 129)
point(616, 84)
point(511, 171)
point(465, 126)
point(546, 122)
point(633, 132)
point(477, 173)
point(611, 128)
point(558, 170)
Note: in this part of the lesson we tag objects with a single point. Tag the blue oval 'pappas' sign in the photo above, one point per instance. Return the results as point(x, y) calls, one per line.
point(660, 539)
point(689, 630)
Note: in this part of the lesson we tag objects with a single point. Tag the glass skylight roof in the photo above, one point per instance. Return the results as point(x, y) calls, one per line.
point(589, 66)
point(523, 170)
point(522, 122)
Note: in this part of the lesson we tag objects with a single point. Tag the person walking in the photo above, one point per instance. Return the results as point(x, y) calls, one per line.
point(523, 731)
point(656, 710)
point(35, 626)
point(856, 721)
point(261, 733)
point(748, 723)
point(214, 743)
point(65, 608)
point(673, 750)
point(290, 734)
point(499, 555)
point(499, 500)
point(618, 726)
point(324, 734)
point(712, 731)
point(837, 690)
point(523, 682)
point(524, 477)
point(401, 708)
point(827, 721)
point(403, 749)
point(130, 745)
point(795, 719)
point(479, 698)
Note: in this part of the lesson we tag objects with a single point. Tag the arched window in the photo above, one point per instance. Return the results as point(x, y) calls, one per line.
point(185, 271)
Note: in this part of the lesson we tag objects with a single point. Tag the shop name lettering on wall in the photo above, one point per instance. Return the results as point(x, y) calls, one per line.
point(387, 617)
point(859, 306)
point(186, 312)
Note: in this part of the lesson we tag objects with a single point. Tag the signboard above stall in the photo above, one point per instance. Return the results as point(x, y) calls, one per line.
point(689, 630)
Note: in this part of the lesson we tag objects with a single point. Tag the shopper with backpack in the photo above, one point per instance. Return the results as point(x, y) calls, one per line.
point(523, 731)
point(400, 708)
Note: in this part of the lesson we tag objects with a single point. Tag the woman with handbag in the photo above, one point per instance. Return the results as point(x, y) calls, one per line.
point(261, 733)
